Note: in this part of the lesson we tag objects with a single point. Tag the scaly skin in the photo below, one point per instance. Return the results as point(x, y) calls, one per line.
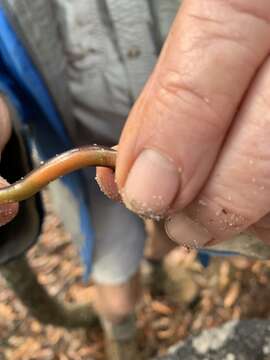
point(58, 166)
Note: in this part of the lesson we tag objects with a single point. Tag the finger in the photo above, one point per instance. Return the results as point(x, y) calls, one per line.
point(237, 195)
point(262, 229)
point(105, 178)
point(5, 124)
point(8, 211)
point(264, 222)
point(177, 126)
point(106, 181)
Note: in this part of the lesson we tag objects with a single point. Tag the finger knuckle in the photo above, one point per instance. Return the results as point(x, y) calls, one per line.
point(180, 99)
point(258, 10)
point(227, 25)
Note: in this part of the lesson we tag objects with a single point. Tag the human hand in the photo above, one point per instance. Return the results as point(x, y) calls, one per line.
point(196, 144)
point(8, 211)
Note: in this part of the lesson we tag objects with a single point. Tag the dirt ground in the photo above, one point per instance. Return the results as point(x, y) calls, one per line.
point(193, 298)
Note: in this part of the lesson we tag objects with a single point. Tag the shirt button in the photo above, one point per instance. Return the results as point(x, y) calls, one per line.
point(133, 52)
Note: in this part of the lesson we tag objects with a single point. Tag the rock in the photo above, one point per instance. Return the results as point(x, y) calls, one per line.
point(235, 340)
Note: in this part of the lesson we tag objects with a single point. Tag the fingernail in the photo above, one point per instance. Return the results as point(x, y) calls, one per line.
point(185, 231)
point(152, 184)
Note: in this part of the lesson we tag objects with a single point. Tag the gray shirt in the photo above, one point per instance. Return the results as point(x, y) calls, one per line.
point(95, 56)
point(111, 47)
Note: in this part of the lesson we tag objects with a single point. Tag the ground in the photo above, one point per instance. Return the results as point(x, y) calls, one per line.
point(194, 299)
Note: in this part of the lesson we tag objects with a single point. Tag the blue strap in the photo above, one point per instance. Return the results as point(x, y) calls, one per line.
point(21, 82)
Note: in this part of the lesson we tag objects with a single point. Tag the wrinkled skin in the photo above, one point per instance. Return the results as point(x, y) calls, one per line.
point(195, 147)
point(7, 212)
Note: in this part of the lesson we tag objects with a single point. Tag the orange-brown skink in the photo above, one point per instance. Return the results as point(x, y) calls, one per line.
point(56, 167)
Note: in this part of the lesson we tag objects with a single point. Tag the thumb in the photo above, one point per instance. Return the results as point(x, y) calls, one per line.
point(7, 211)
point(176, 128)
